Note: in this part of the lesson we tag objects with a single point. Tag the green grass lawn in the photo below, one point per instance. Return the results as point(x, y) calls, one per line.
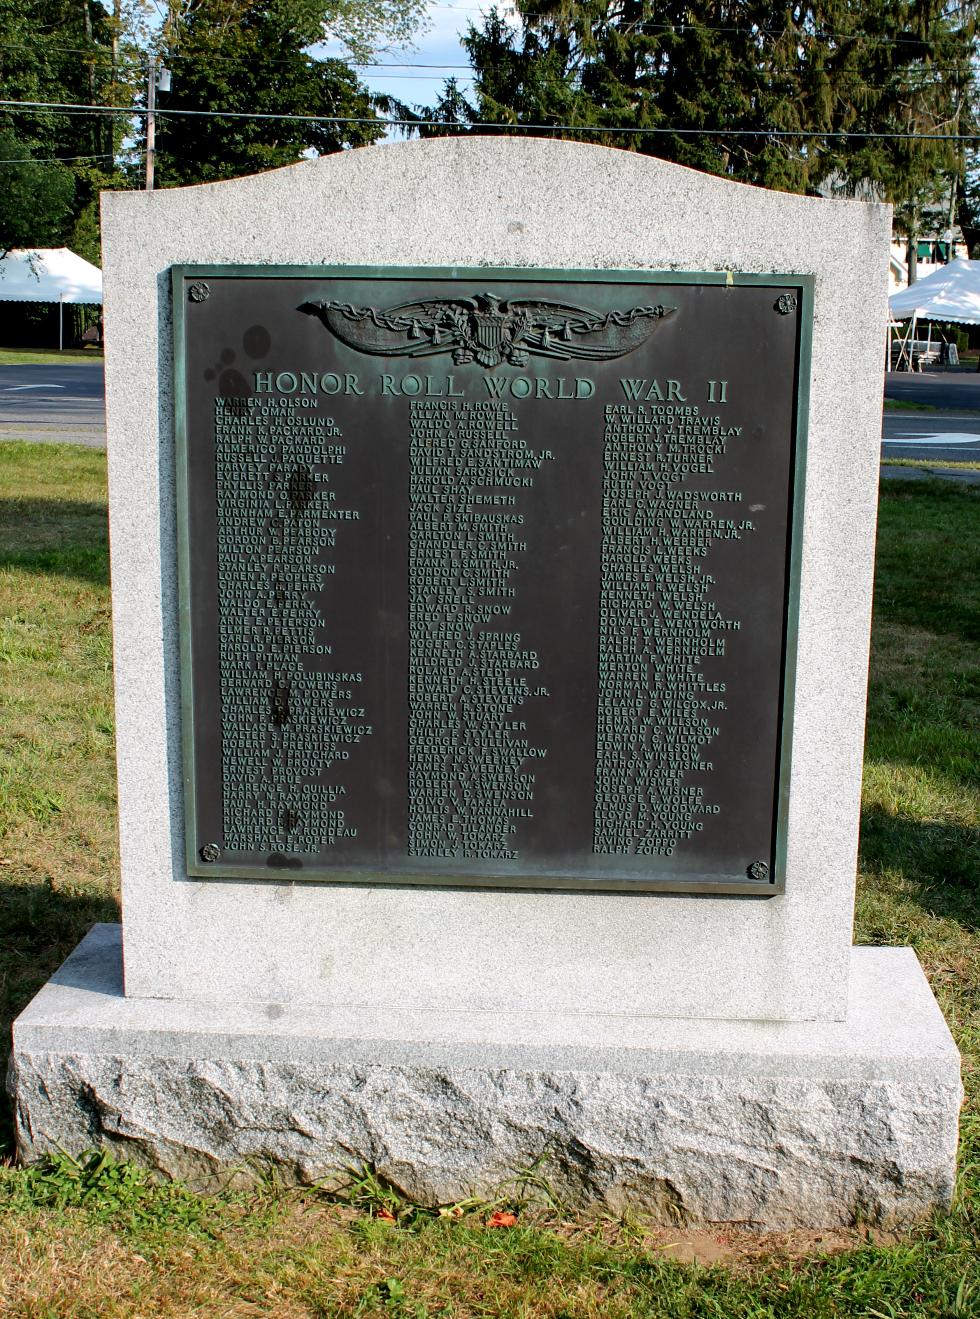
point(903, 405)
point(33, 356)
point(102, 1239)
point(929, 464)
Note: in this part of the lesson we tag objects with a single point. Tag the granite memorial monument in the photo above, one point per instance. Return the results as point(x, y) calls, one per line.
point(492, 532)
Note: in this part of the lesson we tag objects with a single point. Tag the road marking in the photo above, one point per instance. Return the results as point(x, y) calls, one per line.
point(942, 441)
point(12, 389)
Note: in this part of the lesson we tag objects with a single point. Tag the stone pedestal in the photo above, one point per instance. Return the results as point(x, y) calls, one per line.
point(774, 1124)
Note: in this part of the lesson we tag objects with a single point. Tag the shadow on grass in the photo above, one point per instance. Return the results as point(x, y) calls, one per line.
point(55, 536)
point(941, 861)
point(39, 926)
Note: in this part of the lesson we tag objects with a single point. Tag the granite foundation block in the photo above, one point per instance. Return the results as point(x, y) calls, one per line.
point(772, 1124)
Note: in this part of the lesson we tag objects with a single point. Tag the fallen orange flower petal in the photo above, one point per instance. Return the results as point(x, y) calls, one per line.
point(501, 1218)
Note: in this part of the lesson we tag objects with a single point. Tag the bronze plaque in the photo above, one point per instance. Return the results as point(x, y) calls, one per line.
point(487, 576)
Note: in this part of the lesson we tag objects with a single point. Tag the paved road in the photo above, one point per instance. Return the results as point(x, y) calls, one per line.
point(936, 436)
point(53, 402)
point(48, 393)
point(951, 435)
point(64, 403)
point(956, 390)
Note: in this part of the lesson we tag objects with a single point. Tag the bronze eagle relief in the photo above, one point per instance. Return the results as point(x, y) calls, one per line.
point(490, 330)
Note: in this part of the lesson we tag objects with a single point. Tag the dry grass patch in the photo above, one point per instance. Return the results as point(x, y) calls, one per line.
point(105, 1240)
point(300, 1257)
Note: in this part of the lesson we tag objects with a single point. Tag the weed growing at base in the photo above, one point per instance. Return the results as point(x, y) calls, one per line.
point(123, 1195)
point(92, 1237)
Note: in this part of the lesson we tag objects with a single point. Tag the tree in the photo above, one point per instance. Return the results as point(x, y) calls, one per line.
point(242, 55)
point(366, 26)
point(253, 56)
point(756, 91)
point(36, 199)
point(66, 52)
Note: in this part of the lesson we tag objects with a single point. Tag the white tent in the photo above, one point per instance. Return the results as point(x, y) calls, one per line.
point(49, 274)
point(951, 293)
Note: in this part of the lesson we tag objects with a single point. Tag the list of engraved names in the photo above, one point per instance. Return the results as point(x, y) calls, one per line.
point(472, 768)
point(658, 623)
point(490, 619)
point(287, 723)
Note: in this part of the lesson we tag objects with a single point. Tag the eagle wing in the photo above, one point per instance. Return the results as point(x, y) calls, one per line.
point(567, 332)
point(410, 329)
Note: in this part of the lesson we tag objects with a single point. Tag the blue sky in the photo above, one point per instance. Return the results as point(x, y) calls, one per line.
point(439, 45)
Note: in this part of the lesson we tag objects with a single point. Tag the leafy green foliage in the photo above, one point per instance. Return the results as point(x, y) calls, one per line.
point(366, 25)
point(242, 56)
point(253, 56)
point(68, 53)
point(35, 199)
point(250, 56)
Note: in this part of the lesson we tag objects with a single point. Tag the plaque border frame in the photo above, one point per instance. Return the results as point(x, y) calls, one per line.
point(775, 884)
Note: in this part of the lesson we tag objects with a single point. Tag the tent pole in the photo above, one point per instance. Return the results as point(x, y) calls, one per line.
point(905, 339)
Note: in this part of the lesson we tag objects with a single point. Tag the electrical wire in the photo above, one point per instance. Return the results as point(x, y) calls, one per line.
point(664, 29)
point(62, 160)
point(659, 130)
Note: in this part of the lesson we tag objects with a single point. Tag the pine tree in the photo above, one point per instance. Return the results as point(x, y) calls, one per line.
point(759, 92)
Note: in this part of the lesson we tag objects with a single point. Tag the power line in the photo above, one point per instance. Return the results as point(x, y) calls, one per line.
point(59, 160)
point(410, 77)
point(664, 29)
point(507, 127)
point(103, 53)
point(395, 65)
point(898, 74)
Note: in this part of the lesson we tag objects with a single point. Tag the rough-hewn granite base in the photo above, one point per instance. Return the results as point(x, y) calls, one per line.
point(775, 1124)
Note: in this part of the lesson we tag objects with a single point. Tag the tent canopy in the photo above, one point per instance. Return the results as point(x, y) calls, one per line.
point(49, 274)
point(951, 293)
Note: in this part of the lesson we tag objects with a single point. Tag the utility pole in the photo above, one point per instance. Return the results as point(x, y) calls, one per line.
point(151, 128)
point(154, 78)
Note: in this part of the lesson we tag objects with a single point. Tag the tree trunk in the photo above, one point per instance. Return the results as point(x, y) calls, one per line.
point(912, 253)
point(969, 227)
point(90, 55)
point(117, 22)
